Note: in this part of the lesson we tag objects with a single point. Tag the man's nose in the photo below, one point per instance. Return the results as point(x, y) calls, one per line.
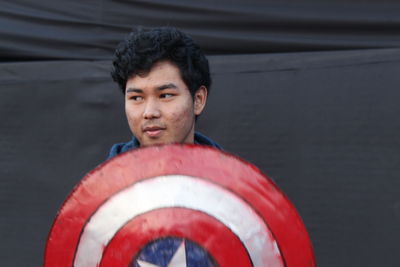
point(152, 110)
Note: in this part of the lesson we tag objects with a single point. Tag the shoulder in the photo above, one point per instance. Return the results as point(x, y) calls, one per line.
point(201, 139)
point(122, 147)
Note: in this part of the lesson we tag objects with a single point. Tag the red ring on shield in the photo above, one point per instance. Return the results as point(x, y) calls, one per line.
point(225, 247)
point(227, 171)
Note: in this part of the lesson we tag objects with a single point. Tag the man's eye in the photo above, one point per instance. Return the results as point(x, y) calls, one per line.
point(166, 95)
point(136, 98)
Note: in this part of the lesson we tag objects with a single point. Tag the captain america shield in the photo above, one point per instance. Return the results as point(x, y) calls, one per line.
point(178, 205)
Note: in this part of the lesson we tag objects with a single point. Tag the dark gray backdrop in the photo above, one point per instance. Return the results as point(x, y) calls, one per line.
point(323, 124)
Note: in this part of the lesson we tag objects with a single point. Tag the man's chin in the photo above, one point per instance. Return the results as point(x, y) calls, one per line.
point(155, 143)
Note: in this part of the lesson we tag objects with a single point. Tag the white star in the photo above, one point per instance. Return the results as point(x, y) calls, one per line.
point(178, 260)
point(146, 264)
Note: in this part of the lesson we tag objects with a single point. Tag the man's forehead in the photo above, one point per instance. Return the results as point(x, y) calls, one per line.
point(161, 75)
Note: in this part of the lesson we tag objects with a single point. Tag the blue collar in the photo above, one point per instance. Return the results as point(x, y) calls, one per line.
point(199, 139)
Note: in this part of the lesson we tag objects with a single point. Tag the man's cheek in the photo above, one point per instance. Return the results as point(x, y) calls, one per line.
point(180, 119)
point(133, 125)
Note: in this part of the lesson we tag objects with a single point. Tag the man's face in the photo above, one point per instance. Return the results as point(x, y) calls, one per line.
point(159, 107)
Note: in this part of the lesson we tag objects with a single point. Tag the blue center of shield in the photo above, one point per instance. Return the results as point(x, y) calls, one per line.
point(173, 252)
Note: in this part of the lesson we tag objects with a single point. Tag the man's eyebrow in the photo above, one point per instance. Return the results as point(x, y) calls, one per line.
point(160, 88)
point(167, 86)
point(134, 90)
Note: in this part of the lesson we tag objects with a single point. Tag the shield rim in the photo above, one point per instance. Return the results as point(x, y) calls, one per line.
point(289, 239)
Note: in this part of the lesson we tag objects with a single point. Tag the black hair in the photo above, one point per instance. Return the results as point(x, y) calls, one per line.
point(143, 48)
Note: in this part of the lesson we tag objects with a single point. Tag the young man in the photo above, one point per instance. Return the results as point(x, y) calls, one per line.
point(166, 81)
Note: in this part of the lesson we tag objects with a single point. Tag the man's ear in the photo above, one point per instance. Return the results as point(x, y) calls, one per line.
point(200, 99)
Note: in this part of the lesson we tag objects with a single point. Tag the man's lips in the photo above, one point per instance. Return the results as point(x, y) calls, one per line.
point(153, 131)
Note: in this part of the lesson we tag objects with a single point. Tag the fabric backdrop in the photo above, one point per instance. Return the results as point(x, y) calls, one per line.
point(74, 29)
point(307, 91)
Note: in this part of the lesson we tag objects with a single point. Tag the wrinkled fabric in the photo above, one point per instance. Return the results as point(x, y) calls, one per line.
point(90, 30)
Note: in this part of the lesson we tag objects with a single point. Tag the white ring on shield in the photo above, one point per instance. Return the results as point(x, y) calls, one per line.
point(177, 191)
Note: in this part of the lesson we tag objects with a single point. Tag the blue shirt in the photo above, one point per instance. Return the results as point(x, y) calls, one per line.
point(199, 139)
